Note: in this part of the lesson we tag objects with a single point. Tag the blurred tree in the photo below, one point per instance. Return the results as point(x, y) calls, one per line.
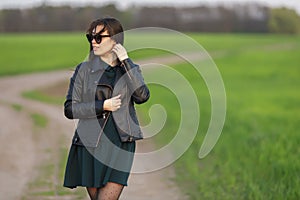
point(11, 20)
point(284, 20)
point(157, 17)
point(249, 17)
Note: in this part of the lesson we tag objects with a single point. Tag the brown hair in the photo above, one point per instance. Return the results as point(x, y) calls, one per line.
point(111, 25)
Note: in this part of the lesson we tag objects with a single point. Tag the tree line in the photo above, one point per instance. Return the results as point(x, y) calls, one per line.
point(249, 17)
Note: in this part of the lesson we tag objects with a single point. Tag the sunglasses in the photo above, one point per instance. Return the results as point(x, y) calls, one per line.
point(97, 37)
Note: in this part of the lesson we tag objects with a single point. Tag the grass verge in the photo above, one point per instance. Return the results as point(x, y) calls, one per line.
point(39, 120)
point(43, 97)
point(17, 107)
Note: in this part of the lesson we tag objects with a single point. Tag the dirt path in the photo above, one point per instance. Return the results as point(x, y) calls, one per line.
point(14, 166)
point(21, 152)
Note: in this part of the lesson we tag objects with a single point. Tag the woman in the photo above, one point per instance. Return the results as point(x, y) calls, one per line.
point(101, 94)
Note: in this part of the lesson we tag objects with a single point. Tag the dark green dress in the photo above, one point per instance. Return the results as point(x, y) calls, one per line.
point(84, 169)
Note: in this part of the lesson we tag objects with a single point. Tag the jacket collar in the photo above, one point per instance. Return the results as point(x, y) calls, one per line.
point(97, 64)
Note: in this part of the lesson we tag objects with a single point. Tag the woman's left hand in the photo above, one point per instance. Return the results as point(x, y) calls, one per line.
point(120, 51)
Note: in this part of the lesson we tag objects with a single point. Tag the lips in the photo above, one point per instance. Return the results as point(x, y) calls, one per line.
point(95, 48)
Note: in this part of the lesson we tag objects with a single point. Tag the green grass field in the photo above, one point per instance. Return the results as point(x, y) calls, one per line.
point(26, 53)
point(256, 156)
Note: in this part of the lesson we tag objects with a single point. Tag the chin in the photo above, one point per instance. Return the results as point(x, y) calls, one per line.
point(97, 53)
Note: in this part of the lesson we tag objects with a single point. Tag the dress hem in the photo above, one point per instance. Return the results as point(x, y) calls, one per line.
point(98, 186)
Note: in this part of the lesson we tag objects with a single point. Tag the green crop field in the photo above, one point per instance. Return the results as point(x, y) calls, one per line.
point(23, 53)
point(26, 53)
point(256, 156)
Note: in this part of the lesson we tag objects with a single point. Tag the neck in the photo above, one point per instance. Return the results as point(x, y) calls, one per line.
point(110, 59)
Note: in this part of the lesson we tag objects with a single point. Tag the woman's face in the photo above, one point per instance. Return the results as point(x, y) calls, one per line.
point(106, 44)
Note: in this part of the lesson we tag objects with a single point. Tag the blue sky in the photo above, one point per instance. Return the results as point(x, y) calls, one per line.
point(127, 3)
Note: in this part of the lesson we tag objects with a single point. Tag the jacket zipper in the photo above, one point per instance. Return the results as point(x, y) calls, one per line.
point(130, 135)
point(106, 119)
point(126, 70)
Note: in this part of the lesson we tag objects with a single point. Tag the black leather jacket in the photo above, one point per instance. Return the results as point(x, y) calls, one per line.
point(86, 96)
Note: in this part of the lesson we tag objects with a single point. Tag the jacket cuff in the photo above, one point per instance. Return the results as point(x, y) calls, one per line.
point(99, 107)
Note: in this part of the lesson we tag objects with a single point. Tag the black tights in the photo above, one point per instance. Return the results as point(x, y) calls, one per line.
point(111, 191)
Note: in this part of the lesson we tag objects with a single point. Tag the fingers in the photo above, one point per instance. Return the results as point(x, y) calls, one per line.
point(116, 97)
point(115, 102)
point(120, 51)
point(118, 47)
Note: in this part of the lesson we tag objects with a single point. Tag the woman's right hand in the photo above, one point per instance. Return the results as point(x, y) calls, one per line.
point(112, 104)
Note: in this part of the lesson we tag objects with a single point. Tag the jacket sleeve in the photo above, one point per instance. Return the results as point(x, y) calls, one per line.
point(74, 107)
point(140, 91)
